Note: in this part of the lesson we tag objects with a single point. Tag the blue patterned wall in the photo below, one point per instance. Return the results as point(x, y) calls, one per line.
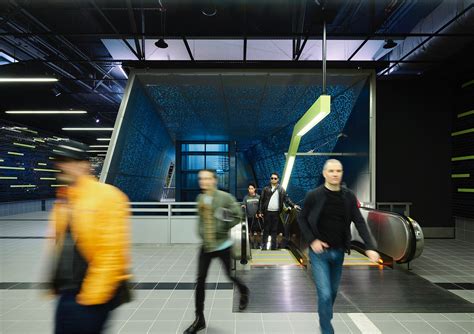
point(268, 155)
point(144, 150)
point(259, 112)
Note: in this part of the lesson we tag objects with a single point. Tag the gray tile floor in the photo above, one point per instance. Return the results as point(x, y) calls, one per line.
point(447, 261)
point(170, 311)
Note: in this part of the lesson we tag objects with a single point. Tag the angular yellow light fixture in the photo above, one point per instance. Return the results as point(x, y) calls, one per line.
point(315, 114)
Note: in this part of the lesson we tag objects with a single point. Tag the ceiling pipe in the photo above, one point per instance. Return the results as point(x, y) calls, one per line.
point(450, 17)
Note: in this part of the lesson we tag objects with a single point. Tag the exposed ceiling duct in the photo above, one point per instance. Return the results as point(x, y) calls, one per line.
point(450, 17)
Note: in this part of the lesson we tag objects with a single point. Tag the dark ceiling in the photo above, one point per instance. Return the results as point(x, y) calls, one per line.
point(64, 38)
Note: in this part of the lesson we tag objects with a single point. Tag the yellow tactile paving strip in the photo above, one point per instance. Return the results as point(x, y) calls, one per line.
point(280, 257)
point(283, 257)
point(356, 259)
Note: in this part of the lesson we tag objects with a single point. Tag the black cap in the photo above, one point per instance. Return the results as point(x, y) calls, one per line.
point(65, 150)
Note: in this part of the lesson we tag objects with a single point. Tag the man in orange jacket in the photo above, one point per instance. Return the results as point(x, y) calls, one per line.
point(90, 221)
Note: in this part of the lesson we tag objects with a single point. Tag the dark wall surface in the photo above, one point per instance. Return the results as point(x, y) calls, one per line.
point(463, 149)
point(414, 118)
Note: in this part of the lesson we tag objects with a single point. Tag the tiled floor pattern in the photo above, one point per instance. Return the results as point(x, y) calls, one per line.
point(170, 311)
point(368, 290)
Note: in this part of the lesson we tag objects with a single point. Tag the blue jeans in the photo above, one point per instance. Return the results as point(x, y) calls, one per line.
point(327, 270)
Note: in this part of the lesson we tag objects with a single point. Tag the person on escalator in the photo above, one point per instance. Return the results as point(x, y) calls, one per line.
point(250, 204)
point(218, 213)
point(325, 224)
point(271, 204)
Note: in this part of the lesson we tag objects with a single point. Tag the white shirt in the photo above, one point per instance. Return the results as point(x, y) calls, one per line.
point(273, 205)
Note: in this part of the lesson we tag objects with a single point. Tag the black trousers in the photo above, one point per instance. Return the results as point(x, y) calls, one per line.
point(203, 267)
point(254, 224)
point(74, 318)
point(271, 220)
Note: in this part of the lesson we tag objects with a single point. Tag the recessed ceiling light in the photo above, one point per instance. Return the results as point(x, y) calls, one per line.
point(33, 112)
point(28, 79)
point(88, 129)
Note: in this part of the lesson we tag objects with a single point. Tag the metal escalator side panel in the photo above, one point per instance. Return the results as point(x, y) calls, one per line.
point(418, 237)
point(236, 236)
point(240, 241)
point(392, 233)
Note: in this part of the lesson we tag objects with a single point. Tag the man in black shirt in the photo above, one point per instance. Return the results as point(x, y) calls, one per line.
point(325, 224)
point(271, 204)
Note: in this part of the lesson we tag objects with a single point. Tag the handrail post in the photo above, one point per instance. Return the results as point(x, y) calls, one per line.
point(243, 250)
point(169, 223)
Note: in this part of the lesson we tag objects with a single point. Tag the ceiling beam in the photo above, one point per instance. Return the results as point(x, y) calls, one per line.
point(289, 35)
point(67, 43)
point(447, 24)
point(112, 26)
point(245, 49)
point(188, 48)
point(115, 62)
point(358, 49)
point(372, 29)
point(133, 24)
point(300, 28)
point(300, 51)
point(10, 16)
point(143, 30)
point(33, 53)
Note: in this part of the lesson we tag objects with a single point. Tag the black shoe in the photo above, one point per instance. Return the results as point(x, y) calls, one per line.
point(198, 324)
point(244, 300)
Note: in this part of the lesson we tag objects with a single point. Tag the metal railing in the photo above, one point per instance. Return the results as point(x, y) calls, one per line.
point(163, 208)
point(168, 194)
point(173, 211)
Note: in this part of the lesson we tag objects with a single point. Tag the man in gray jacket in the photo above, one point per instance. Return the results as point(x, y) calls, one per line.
point(218, 213)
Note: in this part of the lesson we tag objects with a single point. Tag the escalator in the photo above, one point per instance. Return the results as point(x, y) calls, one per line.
point(399, 239)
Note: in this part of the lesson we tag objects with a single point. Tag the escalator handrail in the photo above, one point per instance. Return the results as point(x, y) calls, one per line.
point(244, 241)
point(411, 249)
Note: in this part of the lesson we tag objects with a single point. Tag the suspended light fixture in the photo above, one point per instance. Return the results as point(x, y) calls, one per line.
point(161, 42)
point(314, 115)
point(390, 44)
